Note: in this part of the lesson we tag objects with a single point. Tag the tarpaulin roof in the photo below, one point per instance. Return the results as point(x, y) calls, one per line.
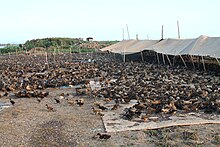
point(201, 46)
point(130, 46)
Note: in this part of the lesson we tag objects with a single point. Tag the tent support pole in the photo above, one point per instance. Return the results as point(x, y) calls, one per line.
point(142, 58)
point(124, 55)
point(203, 62)
point(183, 61)
point(158, 60)
point(192, 61)
point(163, 59)
point(174, 59)
point(217, 61)
point(168, 59)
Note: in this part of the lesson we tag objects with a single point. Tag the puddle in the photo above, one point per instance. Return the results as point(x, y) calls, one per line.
point(4, 105)
point(64, 87)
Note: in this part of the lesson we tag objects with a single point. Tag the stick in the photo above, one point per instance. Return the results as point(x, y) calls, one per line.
point(128, 32)
point(142, 58)
point(203, 64)
point(178, 29)
point(183, 61)
point(163, 59)
point(192, 62)
point(158, 60)
point(174, 59)
point(217, 61)
point(168, 59)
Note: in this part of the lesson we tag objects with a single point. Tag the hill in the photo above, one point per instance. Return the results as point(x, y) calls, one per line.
point(66, 43)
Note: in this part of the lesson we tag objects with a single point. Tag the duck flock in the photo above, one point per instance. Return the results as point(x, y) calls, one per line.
point(158, 89)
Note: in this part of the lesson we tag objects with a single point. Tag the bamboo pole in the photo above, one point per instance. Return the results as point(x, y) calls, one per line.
point(46, 58)
point(178, 29)
point(124, 58)
point(123, 34)
point(183, 60)
point(174, 60)
point(142, 58)
point(128, 32)
point(192, 62)
point(203, 62)
point(70, 52)
point(54, 55)
point(168, 59)
point(217, 61)
point(163, 59)
point(158, 60)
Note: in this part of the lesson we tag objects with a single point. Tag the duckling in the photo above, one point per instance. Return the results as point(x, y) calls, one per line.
point(115, 107)
point(5, 94)
point(107, 99)
point(80, 102)
point(49, 108)
point(96, 111)
point(71, 102)
point(102, 107)
point(104, 136)
point(62, 94)
point(96, 103)
point(144, 118)
point(12, 102)
point(57, 101)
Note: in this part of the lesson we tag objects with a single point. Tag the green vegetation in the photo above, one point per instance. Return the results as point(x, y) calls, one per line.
point(73, 45)
point(66, 43)
point(10, 49)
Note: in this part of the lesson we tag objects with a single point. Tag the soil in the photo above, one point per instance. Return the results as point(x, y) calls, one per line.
point(30, 123)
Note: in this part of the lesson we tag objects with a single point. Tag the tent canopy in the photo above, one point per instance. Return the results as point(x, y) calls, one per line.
point(201, 46)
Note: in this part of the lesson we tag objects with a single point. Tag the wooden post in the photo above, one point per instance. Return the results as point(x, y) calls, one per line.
point(218, 61)
point(46, 58)
point(203, 62)
point(168, 59)
point(162, 33)
point(123, 34)
point(158, 60)
point(128, 32)
point(178, 29)
point(142, 58)
point(54, 54)
point(163, 59)
point(183, 60)
point(174, 60)
point(124, 58)
point(70, 52)
point(192, 62)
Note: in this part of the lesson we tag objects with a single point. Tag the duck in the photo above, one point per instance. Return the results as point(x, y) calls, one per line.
point(144, 118)
point(57, 101)
point(39, 100)
point(115, 107)
point(70, 102)
point(80, 102)
point(104, 136)
point(96, 111)
point(49, 108)
point(102, 107)
point(5, 94)
point(11, 101)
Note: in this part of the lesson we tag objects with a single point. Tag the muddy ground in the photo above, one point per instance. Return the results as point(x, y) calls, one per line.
point(29, 123)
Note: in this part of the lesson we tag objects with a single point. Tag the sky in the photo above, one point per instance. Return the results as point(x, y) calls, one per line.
point(23, 20)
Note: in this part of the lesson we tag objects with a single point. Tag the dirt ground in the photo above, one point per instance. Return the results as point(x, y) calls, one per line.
point(29, 123)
